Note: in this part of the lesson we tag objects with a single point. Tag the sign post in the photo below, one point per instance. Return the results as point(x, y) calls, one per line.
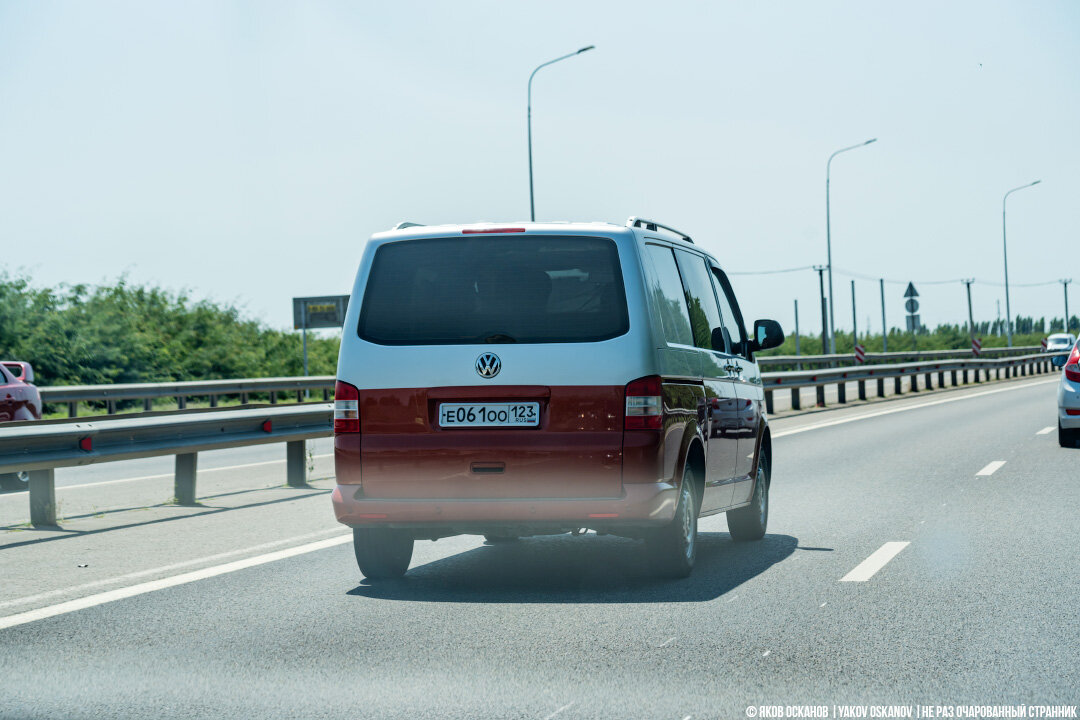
point(327, 311)
point(912, 306)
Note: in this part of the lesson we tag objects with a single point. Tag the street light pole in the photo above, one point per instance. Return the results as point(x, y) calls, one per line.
point(532, 205)
point(1065, 285)
point(828, 237)
point(1005, 249)
point(820, 270)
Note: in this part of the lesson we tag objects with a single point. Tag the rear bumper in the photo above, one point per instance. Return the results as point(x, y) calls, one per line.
point(641, 505)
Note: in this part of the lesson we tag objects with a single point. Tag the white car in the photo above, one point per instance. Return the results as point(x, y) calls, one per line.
point(1069, 400)
point(1059, 342)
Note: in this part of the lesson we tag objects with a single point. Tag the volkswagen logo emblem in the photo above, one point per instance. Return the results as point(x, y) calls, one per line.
point(488, 365)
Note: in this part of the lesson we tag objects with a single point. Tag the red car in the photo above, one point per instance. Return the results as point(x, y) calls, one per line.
point(19, 400)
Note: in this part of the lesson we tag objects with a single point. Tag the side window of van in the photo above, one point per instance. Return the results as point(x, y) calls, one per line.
point(700, 298)
point(667, 292)
point(729, 309)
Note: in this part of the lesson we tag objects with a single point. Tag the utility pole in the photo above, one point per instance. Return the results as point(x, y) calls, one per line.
point(854, 322)
point(884, 327)
point(1065, 285)
point(824, 312)
point(798, 352)
point(971, 317)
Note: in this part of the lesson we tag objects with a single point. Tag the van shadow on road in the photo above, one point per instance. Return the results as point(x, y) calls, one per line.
point(590, 569)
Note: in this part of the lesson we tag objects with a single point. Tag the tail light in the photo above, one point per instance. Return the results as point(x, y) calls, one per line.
point(1072, 365)
point(644, 404)
point(346, 408)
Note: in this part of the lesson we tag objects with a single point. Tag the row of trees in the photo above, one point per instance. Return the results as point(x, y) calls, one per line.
point(120, 333)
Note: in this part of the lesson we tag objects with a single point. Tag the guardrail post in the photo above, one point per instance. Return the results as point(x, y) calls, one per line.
point(181, 402)
point(953, 378)
point(941, 378)
point(295, 468)
point(965, 377)
point(841, 392)
point(243, 398)
point(929, 381)
point(184, 483)
point(1023, 369)
point(73, 409)
point(110, 407)
point(326, 395)
point(898, 388)
point(820, 395)
point(915, 382)
point(997, 373)
point(42, 497)
point(881, 387)
point(299, 396)
point(978, 375)
point(273, 397)
point(213, 401)
point(768, 402)
point(147, 404)
point(795, 405)
point(862, 389)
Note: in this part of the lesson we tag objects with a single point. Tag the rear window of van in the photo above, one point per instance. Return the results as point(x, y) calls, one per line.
point(523, 289)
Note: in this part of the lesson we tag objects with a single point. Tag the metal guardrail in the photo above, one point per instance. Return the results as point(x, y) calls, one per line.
point(891, 357)
point(40, 448)
point(72, 395)
point(1012, 366)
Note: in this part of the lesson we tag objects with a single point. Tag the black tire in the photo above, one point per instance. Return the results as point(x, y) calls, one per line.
point(14, 481)
point(672, 549)
point(1066, 438)
point(750, 522)
point(500, 539)
point(382, 553)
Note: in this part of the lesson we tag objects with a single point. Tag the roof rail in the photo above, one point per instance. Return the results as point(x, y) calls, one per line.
point(635, 221)
point(403, 225)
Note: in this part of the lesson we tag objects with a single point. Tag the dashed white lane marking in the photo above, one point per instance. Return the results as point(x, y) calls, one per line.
point(867, 416)
point(567, 706)
point(146, 587)
point(868, 567)
point(991, 468)
point(667, 642)
point(1046, 430)
point(168, 475)
point(166, 568)
point(766, 653)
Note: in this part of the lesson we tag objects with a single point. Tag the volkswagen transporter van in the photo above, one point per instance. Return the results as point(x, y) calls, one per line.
point(543, 378)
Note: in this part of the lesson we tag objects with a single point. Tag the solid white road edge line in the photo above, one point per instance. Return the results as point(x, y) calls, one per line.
point(1046, 430)
point(867, 416)
point(866, 569)
point(169, 475)
point(991, 468)
point(166, 568)
point(163, 583)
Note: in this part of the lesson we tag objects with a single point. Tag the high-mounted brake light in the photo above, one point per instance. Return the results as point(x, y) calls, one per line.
point(644, 404)
point(474, 231)
point(346, 408)
point(1072, 365)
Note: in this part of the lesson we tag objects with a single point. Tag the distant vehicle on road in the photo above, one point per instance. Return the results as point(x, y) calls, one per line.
point(1060, 341)
point(19, 400)
point(1069, 400)
point(545, 378)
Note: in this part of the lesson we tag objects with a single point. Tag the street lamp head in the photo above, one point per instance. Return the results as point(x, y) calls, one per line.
point(871, 140)
point(1036, 182)
point(588, 47)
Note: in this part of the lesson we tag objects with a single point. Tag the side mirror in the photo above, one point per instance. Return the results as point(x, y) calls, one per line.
point(767, 334)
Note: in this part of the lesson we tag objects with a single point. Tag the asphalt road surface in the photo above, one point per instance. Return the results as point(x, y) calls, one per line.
point(920, 551)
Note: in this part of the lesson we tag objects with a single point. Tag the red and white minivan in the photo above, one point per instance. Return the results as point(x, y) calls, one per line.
point(542, 378)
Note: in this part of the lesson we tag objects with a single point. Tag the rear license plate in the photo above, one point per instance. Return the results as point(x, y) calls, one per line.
point(525, 414)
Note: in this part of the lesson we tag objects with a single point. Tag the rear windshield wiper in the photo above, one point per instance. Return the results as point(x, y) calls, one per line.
point(499, 338)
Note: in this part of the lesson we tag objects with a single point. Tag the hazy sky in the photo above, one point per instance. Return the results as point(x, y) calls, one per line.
point(245, 150)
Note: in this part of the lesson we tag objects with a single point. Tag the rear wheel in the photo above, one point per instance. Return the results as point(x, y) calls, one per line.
point(673, 548)
point(14, 481)
point(749, 523)
point(1066, 437)
point(382, 553)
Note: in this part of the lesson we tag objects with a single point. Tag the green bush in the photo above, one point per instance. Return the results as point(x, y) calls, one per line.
point(88, 335)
